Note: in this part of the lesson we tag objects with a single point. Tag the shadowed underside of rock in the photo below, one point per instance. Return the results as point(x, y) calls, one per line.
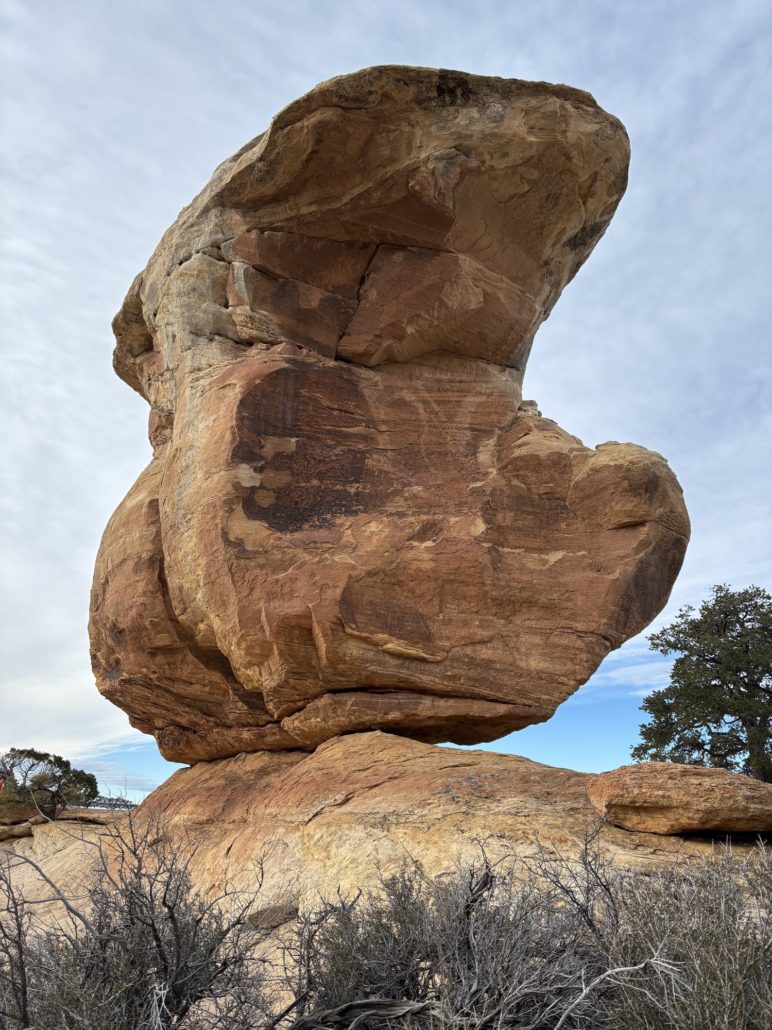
point(351, 522)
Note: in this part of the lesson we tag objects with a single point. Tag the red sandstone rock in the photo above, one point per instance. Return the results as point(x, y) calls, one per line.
point(350, 521)
point(661, 797)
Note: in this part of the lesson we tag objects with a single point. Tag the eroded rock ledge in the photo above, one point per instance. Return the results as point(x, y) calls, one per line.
point(357, 808)
point(662, 797)
point(351, 521)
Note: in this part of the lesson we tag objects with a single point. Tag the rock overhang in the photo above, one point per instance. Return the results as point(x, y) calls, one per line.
point(499, 186)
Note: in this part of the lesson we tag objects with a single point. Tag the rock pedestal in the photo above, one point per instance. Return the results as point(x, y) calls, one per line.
point(308, 826)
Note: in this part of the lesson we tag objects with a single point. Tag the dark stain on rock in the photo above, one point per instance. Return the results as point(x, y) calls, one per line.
point(619, 183)
point(114, 672)
point(377, 604)
point(431, 529)
point(649, 584)
point(308, 443)
point(587, 235)
point(452, 88)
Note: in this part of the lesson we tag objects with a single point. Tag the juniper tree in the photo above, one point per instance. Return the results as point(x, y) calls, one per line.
point(46, 781)
point(717, 709)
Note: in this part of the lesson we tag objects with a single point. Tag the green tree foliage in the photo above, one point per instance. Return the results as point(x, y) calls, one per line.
point(46, 781)
point(717, 709)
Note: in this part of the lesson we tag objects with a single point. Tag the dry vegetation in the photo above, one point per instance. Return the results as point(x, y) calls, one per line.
point(556, 945)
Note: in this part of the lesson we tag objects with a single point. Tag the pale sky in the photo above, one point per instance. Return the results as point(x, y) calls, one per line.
point(114, 114)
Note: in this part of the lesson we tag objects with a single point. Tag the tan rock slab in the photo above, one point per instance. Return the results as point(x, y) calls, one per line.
point(14, 831)
point(358, 807)
point(662, 797)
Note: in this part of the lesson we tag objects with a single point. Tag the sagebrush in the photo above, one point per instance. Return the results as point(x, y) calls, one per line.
point(550, 944)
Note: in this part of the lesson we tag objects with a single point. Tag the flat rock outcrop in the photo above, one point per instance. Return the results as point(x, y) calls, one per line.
point(16, 812)
point(359, 806)
point(351, 521)
point(11, 828)
point(662, 797)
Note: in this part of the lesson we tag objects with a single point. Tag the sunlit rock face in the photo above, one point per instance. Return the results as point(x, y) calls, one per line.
point(662, 797)
point(351, 520)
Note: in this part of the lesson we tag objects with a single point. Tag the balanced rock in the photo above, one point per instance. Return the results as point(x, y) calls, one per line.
point(662, 797)
point(351, 520)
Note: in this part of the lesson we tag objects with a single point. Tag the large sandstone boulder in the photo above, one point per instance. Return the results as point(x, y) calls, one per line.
point(351, 522)
point(662, 797)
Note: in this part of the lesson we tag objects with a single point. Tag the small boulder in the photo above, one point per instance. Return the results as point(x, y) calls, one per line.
point(662, 797)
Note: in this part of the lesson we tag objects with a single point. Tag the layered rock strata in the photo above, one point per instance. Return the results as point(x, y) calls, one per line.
point(662, 797)
point(351, 521)
point(310, 825)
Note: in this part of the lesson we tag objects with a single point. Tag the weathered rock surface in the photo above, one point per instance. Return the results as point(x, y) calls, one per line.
point(662, 797)
point(358, 805)
point(12, 831)
point(23, 826)
point(350, 521)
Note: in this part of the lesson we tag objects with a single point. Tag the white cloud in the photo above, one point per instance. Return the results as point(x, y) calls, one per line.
point(62, 714)
point(117, 782)
point(636, 680)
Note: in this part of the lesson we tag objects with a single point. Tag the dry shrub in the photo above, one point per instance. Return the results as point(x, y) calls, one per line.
point(559, 943)
point(147, 952)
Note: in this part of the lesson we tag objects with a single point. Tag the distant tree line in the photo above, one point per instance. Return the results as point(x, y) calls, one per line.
point(111, 803)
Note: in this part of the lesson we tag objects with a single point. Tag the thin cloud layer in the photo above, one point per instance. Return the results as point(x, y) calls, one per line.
point(114, 115)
